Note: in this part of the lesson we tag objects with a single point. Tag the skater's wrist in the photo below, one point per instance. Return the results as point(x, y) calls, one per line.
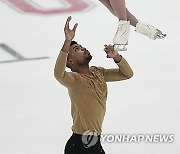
point(117, 58)
point(66, 46)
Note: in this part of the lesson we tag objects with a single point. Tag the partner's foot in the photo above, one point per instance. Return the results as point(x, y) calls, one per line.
point(121, 37)
point(149, 30)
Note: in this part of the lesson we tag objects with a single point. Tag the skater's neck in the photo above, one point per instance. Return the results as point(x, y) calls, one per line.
point(82, 69)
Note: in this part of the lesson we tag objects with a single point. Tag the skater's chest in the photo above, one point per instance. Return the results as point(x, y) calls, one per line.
point(93, 81)
point(91, 88)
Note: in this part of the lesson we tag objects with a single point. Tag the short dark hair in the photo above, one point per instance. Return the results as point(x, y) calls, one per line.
point(73, 42)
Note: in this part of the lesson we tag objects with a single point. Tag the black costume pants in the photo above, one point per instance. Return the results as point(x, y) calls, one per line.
point(75, 146)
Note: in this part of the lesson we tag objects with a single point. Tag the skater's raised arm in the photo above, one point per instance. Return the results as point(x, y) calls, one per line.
point(65, 78)
point(116, 74)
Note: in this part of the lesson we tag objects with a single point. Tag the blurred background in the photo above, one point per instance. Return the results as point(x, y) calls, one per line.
point(35, 109)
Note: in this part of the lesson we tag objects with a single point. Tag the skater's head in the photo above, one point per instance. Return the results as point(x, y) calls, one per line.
point(78, 56)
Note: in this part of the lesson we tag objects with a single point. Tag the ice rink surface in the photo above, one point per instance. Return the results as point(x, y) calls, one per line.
point(35, 109)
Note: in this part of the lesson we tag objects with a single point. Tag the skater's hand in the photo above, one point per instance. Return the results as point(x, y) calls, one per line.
point(109, 49)
point(69, 33)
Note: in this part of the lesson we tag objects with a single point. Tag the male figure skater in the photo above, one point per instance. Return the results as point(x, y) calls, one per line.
point(87, 90)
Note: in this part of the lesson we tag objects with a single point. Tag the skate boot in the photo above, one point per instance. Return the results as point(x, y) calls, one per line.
point(121, 37)
point(150, 31)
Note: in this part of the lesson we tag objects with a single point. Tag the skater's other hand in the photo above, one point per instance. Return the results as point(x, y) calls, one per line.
point(69, 33)
point(109, 49)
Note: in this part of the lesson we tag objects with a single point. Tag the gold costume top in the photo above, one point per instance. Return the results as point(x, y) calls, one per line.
point(88, 93)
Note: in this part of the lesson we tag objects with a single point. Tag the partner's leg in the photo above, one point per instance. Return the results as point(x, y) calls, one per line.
point(130, 17)
point(108, 5)
point(145, 29)
point(133, 20)
point(119, 7)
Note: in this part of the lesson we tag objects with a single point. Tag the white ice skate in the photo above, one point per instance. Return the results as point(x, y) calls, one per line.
point(149, 30)
point(121, 37)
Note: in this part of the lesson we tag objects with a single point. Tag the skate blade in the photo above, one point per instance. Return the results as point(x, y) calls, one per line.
point(160, 35)
point(119, 47)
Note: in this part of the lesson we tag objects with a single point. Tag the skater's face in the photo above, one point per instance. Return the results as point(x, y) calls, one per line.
point(78, 56)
